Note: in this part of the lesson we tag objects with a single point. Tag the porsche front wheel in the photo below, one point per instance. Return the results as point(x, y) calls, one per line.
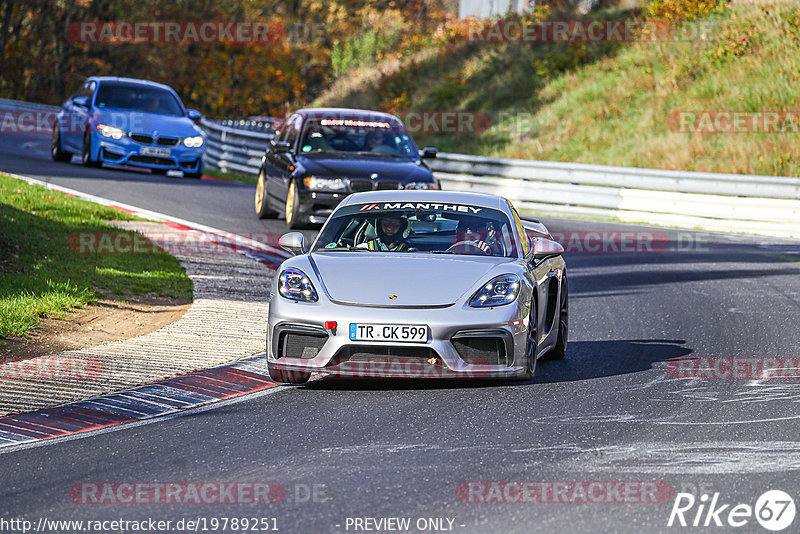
point(288, 377)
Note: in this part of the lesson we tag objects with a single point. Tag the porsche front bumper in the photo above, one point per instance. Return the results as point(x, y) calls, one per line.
point(463, 342)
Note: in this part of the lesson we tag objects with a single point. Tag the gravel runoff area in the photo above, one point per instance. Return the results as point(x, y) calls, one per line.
point(226, 321)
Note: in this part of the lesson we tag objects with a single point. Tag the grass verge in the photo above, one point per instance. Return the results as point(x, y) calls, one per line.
point(614, 103)
point(41, 275)
point(231, 177)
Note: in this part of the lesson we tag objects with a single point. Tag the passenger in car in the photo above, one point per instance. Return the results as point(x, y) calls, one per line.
point(481, 233)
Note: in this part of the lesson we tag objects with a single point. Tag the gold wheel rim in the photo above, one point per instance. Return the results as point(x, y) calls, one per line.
point(290, 203)
point(260, 192)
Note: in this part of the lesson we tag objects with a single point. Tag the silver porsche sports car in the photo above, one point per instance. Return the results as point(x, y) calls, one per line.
point(419, 284)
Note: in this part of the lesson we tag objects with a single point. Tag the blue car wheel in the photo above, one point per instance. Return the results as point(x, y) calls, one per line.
point(56, 150)
point(86, 155)
point(196, 174)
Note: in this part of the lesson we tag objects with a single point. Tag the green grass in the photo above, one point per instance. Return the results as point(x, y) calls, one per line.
point(229, 176)
point(42, 275)
point(609, 103)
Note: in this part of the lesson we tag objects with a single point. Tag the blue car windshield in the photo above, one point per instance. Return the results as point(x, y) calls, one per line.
point(422, 227)
point(136, 97)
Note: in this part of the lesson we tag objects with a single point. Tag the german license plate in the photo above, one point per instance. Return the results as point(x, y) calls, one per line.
point(155, 151)
point(389, 332)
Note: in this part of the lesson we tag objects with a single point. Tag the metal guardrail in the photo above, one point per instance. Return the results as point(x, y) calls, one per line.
point(234, 149)
point(18, 105)
point(768, 205)
point(725, 202)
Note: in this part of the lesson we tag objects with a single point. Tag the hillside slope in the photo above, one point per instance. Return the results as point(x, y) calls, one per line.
point(614, 103)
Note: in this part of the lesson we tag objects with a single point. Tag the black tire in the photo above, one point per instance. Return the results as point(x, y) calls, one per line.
point(288, 377)
point(531, 363)
point(86, 153)
point(263, 211)
point(559, 352)
point(293, 219)
point(55, 146)
point(196, 174)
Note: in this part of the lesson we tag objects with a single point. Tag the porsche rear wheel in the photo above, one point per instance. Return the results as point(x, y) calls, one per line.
point(531, 363)
point(559, 352)
point(288, 377)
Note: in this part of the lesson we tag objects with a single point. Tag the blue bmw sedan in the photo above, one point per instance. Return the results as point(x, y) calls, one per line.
point(124, 121)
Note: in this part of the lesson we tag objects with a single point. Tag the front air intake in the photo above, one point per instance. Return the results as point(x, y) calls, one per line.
point(482, 349)
point(300, 344)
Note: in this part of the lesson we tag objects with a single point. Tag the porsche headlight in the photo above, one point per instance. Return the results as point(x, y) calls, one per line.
point(422, 185)
point(194, 142)
point(498, 291)
point(316, 183)
point(293, 284)
point(110, 131)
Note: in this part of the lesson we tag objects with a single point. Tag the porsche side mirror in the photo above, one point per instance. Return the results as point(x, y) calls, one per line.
point(428, 153)
point(193, 114)
point(81, 101)
point(293, 243)
point(546, 248)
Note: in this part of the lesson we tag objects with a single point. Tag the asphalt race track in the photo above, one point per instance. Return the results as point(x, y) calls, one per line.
point(613, 412)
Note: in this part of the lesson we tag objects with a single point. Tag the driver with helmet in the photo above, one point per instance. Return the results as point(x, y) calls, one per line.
point(479, 233)
point(390, 230)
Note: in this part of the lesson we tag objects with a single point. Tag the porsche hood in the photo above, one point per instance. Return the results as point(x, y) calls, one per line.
point(377, 279)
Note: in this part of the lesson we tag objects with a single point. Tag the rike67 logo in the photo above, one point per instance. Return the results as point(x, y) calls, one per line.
point(774, 510)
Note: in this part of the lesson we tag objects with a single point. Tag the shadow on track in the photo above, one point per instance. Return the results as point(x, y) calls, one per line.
point(585, 360)
point(596, 359)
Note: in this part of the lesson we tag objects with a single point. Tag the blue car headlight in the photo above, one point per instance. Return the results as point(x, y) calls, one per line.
point(194, 142)
point(293, 284)
point(110, 131)
point(498, 291)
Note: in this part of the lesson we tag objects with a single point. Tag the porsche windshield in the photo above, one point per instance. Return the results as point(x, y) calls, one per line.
point(355, 135)
point(419, 227)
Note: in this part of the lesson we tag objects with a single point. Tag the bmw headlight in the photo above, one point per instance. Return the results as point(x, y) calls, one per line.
point(315, 183)
point(110, 131)
point(422, 185)
point(194, 142)
point(293, 284)
point(498, 291)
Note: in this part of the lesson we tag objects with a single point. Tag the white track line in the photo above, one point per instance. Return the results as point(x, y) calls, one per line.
point(156, 216)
